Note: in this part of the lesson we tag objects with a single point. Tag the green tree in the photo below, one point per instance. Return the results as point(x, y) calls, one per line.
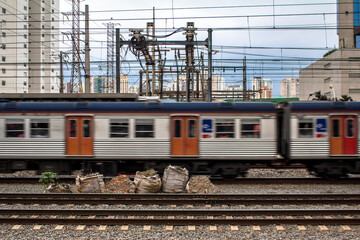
point(48, 178)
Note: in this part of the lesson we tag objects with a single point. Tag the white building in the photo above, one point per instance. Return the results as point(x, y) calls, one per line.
point(289, 87)
point(259, 83)
point(29, 46)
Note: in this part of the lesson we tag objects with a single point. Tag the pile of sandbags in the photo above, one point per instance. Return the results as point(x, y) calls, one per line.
point(120, 184)
point(93, 183)
point(175, 179)
point(201, 184)
point(147, 182)
point(58, 188)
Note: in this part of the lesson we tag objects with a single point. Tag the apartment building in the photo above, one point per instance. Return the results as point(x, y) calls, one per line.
point(29, 46)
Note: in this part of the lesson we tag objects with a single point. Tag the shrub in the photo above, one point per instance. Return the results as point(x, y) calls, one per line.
point(48, 178)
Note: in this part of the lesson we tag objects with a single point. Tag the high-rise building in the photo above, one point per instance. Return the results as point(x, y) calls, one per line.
point(349, 23)
point(338, 73)
point(258, 84)
point(29, 46)
point(289, 87)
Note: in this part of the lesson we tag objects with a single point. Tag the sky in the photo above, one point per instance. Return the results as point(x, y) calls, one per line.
point(277, 39)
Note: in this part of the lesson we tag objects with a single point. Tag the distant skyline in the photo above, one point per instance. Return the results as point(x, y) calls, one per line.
point(277, 49)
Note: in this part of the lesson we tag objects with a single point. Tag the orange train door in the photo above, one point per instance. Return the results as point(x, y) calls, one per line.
point(185, 136)
point(79, 135)
point(343, 138)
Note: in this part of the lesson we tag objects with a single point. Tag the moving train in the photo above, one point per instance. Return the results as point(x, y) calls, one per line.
point(208, 138)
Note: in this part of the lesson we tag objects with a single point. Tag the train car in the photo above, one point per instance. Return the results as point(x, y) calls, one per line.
point(111, 137)
point(322, 135)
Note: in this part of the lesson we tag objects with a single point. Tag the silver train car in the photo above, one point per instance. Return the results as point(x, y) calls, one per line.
point(207, 138)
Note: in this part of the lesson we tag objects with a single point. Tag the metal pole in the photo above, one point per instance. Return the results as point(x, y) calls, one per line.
point(153, 57)
point(244, 80)
point(141, 83)
point(87, 51)
point(118, 76)
point(61, 73)
point(177, 79)
point(209, 65)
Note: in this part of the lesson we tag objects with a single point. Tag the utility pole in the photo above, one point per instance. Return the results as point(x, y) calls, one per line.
point(75, 81)
point(118, 76)
point(177, 79)
point(87, 51)
point(244, 80)
point(61, 73)
point(153, 57)
point(209, 65)
point(189, 47)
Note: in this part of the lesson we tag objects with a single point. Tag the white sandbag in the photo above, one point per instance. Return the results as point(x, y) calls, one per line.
point(93, 183)
point(147, 182)
point(175, 179)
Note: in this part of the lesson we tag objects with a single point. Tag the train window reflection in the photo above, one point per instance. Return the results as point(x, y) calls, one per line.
point(72, 129)
point(86, 127)
point(225, 128)
point(39, 128)
point(177, 128)
point(306, 128)
point(336, 128)
point(119, 128)
point(350, 127)
point(144, 128)
point(15, 128)
point(192, 128)
point(250, 128)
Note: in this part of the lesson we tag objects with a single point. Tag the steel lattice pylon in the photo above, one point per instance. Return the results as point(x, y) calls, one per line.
point(76, 85)
point(108, 85)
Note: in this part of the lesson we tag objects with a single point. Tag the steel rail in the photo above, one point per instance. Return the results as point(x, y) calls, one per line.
point(12, 198)
point(181, 212)
point(156, 221)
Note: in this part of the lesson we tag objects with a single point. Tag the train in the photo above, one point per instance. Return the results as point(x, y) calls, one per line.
point(223, 138)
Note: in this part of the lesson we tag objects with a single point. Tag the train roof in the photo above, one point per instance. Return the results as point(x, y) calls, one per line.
point(135, 107)
point(324, 106)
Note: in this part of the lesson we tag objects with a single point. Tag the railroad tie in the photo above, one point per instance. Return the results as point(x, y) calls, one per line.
point(256, 228)
point(37, 227)
point(301, 228)
point(171, 217)
point(16, 227)
point(280, 228)
point(208, 206)
point(91, 217)
point(80, 227)
point(346, 228)
point(147, 228)
point(59, 227)
point(234, 228)
point(229, 217)
point(169, 228)
point(323, 228)
point(102, 228)
point(124, 228)
point(191, 228)
point(213, 228)
point(173, 206)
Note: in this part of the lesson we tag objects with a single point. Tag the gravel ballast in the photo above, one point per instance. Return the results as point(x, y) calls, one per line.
point(201, 232)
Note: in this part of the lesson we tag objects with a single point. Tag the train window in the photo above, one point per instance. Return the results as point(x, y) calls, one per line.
point(192, 128)
point(39, 128)
point(350, 128)
point(144, 128)
point(335, 127)
point(15, 128)
point(119, 128)
point(250, 128)
point(306, 128)
point(87, 128)
point(177, 128)
point(225, 128)
point(72, 124)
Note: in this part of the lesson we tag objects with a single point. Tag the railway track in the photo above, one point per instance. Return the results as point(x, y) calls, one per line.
point(177, 214)
point(179, 217)
point(31, 198)
point(215, 180)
